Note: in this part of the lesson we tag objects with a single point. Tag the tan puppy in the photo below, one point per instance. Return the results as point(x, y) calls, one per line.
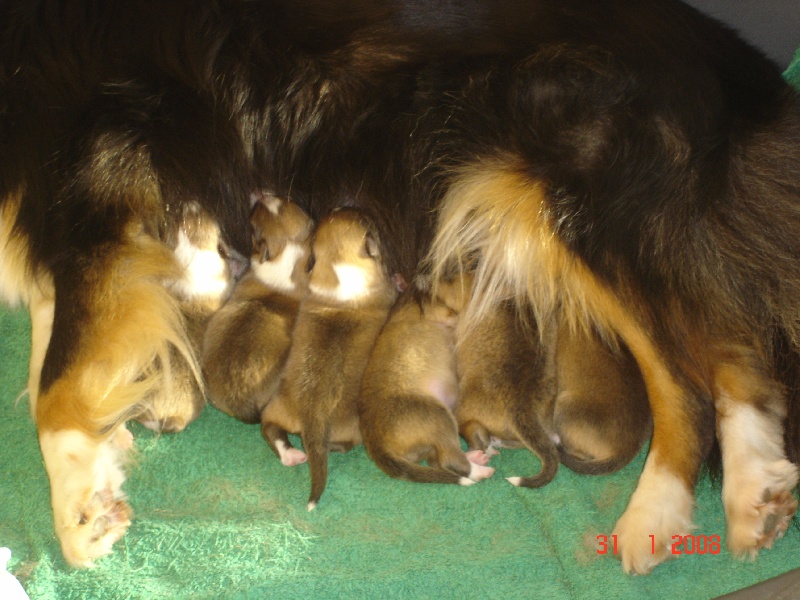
point(350, 297)
point(601, 414)
point(506, 388)
point(247, 342)
point(204, 285)
point(408, 393)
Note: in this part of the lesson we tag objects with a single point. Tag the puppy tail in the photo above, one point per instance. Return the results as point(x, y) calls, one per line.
point(402, 468)
point(535, 438)
point(315, 438)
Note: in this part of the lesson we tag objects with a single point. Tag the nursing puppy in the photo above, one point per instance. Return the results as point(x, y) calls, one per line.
point(408, 393)
point(600, 414)
point(506, 388)
point(350, 296)
point(247, 342)
point(203, 287)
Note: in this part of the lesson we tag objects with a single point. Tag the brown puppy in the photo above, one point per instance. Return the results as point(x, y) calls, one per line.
point(506, 388)
point(408, 392)
point(247, 342)
point(203, 286)
point(350, 297)
point(601, 414)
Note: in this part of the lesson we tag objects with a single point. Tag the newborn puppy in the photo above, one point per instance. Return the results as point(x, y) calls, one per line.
point(601, 414)
point(247, 342)
point(408, 393)
point(350, 297)
point(203, 287)
point(506, 388)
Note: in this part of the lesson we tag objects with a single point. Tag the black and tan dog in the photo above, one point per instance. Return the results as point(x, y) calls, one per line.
point(633, 162)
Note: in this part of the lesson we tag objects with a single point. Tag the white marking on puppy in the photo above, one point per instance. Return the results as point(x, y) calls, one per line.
point(353, 284)
point(757, 479)
point(277, 273)
point(205, 271)
point(661, 506)
point(479, 472)
point(86, 478)
point(273, 203)
point(466, 482)
point(515, 481)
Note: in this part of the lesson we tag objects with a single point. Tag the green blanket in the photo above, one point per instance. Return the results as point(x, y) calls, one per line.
point(217, 516)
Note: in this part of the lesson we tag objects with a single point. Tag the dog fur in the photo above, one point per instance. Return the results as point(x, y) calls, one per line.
point(350, 294)
point(246, 343)
point(409, 390)
point(630, 164)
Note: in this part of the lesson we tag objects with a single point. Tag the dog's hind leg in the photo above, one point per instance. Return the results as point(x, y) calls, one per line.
point(113, 320)
point(757, 477)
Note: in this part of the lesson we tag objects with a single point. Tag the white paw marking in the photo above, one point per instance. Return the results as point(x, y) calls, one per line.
point(86, 477)
point(757, 479)
point(661, 507)
point(277, 272)
point(466, 481)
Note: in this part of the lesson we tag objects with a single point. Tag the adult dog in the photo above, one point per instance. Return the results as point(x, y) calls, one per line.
point(631, 163)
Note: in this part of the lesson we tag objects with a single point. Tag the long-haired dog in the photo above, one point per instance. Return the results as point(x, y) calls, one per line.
point(631, 164)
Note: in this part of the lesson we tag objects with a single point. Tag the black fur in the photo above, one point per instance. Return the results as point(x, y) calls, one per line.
point(649, 123)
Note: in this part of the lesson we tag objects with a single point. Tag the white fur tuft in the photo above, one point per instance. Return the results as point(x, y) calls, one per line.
point(277, 274)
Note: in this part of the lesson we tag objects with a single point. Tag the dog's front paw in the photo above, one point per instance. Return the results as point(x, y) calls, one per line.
point(89, 509)
point(660, 508)
point(759, 504)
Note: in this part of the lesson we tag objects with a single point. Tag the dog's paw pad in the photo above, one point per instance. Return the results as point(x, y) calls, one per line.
point(758, 516)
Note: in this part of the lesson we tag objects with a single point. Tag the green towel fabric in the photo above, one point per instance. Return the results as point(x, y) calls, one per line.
point(217, 516)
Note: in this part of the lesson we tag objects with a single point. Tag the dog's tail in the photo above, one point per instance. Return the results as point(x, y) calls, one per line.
point(316, 438)
point(531, 433)
point(454, 472)
point(494, 210)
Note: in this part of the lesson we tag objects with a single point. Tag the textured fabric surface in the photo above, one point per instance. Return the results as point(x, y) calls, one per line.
point(217, 516)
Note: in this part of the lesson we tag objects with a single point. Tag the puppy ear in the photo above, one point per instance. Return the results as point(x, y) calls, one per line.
point(260, 248)
point(371, 247)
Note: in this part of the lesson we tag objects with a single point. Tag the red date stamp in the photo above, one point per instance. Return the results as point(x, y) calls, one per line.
point(680, 544)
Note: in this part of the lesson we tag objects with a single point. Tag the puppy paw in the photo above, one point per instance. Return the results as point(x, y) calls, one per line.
point(759, 505)
point(661, 507)
point(478, 471)
point(89, 508)
point(478, 457)
point(291, 457)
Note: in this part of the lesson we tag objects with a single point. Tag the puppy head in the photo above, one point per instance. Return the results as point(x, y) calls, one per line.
point(200, 251)
point(347, 265)
point(281, 243)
